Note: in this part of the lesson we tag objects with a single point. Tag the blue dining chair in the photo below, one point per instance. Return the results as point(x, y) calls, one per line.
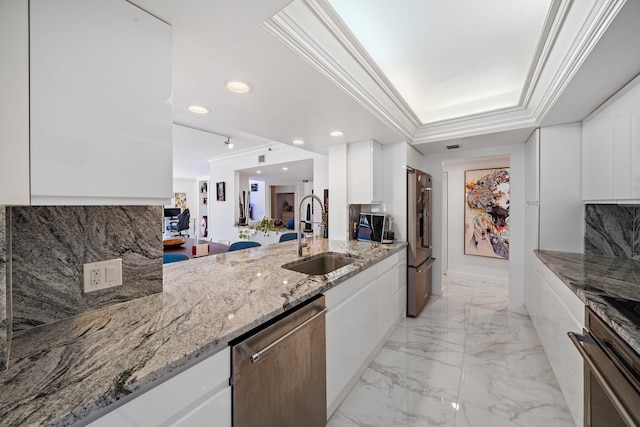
point(236, 246)
point(288, 236)
point(168, 258)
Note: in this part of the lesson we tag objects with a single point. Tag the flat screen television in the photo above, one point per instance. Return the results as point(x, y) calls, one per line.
point(168, 212)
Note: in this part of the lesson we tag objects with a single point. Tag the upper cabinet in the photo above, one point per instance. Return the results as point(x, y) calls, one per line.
point(14, 102)
point(99, 104)
point(611, 149)
point(364, 173)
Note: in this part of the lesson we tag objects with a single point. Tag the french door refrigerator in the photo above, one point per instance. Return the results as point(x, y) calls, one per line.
point(419, 233)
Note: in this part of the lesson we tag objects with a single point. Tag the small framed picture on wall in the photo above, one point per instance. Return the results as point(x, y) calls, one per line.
point(220, 191)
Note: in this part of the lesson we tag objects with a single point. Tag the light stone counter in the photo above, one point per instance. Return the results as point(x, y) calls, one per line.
point(63, 372)
point(593, 277)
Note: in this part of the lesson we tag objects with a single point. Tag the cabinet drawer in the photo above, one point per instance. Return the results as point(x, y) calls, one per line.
point(202, 387)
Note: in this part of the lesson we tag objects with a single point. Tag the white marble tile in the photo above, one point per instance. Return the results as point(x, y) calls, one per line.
point(469, 415)
point(381, 399)
point(505, 381)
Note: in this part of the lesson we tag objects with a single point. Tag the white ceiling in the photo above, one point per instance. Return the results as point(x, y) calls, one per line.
point(424, 71)
point(450, 58)
point(274, 174)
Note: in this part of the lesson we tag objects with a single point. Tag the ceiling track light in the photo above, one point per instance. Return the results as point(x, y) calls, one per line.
point(229, 143)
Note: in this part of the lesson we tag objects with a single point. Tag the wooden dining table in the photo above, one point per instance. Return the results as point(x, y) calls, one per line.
point(185, 248)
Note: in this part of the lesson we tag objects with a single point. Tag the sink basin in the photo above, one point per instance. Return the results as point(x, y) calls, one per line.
point(323, 263)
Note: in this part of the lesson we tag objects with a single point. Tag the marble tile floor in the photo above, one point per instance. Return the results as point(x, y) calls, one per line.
point(464, 362)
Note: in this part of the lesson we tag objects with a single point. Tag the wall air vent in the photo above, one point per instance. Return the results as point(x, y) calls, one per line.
point(452, 147)
point(261, 159)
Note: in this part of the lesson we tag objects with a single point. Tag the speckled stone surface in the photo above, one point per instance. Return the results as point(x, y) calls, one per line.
point(612, 230)
point(592, 277)
point(4, 324)
point(62, 372)
point(51, 244)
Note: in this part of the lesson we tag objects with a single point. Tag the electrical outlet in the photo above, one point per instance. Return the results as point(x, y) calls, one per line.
point(102, 275)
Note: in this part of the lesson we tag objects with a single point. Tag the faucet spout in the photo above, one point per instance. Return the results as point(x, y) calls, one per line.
point(324, 217)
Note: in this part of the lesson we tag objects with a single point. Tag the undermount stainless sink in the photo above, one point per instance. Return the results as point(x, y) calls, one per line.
point(323, 263)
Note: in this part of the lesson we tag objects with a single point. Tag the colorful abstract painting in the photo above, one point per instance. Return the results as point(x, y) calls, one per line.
point(486, 220)
point(180, 201)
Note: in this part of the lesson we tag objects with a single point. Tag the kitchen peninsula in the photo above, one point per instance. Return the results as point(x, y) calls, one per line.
point(68, 371)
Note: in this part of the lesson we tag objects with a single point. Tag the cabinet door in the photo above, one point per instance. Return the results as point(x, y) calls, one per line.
point(14, 102)
point(351, 329)
point(100, 103)
point(364, 173)
point(627, 142)
point(202, 392)
point(597, 156)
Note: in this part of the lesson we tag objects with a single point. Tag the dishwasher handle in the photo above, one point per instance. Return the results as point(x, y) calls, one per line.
point(254, 356)
point(577, 339)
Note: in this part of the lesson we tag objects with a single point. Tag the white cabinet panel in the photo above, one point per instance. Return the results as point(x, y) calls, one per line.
point(532, 167)
point(351, 336)
point(361, 313)
point(611, 148)
point(202, 392)
point(560, 311)
point(14, 102)
point(364, 173)
point(100, 100)
point(597, 156)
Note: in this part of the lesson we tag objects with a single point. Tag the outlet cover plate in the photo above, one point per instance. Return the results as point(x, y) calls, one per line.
point(102, 275)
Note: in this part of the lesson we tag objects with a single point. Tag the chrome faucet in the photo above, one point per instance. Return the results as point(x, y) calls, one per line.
point(324, 217)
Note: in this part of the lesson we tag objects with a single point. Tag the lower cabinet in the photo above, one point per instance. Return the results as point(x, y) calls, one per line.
point(199, 396)
point(556, 310)
point(362, 312)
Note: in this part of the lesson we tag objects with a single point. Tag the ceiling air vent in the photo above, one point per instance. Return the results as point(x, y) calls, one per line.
point(261, 159)
point(452, 147)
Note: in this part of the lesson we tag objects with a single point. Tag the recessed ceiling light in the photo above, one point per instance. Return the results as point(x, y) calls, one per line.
point(298, 141)
point(336, 133)
point(238, 86)
point(258, 171)
point(198, 109)
point(285, 168)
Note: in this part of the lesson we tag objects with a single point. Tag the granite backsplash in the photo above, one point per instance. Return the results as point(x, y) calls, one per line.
point(4, 297)
point(612, 230)
point(50, 244)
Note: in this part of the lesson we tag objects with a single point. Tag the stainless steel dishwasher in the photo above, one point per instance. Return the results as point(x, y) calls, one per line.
point(279, 371)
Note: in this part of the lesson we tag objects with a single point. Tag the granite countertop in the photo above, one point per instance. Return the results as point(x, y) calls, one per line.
point(593, 277)
point(63, 372)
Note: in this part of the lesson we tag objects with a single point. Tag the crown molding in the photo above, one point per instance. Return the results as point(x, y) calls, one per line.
point(593, 28)
point(314, 31)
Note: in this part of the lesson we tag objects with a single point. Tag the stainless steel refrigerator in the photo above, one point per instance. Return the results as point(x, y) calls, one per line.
point(419, 233)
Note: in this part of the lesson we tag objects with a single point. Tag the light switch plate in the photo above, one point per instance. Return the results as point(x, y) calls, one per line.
point(102, 275)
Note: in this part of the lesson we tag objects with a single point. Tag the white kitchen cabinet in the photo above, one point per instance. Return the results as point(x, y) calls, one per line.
point(199, 396)
point(611, 149)
point(558, 311)
point(364, 173)
point(14, 102)
point(100, 103)
point(362, 311)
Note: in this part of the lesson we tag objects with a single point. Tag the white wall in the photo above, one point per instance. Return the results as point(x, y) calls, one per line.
point(224, 214)
point(396, 158)
point(338, 209)
point(561, 205)
point(259, 201)
point(189, 186)
point(433, 165)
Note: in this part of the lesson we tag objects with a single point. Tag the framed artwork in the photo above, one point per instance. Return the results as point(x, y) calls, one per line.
point(220, 191)
point(486, 212)
point(180, 201)
point(254, 186)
